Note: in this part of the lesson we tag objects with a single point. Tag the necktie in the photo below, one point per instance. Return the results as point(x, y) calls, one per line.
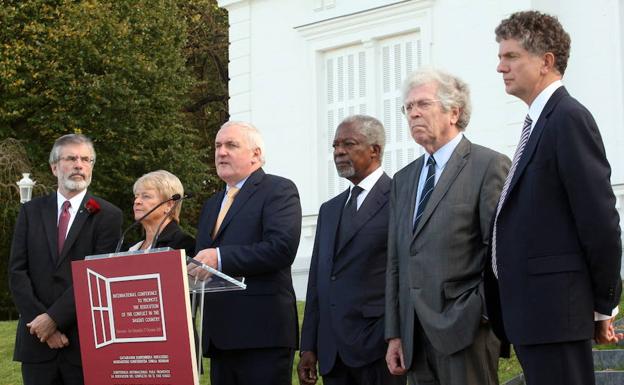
point(524, 138)
point(224, 209)
point(348, 214)
point(426, 191)
point(62, 225)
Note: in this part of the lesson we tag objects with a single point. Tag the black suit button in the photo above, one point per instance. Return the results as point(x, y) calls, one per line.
point(333, 277)
point(333, 305)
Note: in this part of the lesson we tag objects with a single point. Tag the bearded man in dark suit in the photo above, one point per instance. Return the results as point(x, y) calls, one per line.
point(250, 229)
point(554, 281)
point(50, 233)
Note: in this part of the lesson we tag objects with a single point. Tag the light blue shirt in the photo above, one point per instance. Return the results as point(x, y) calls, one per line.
point(441, 157)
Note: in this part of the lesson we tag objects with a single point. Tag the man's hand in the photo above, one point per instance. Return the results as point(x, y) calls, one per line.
point(604, 332)
point(394, 357)
point(43, 326)
point(206, 256)
point(57, 340)
point(307, 368)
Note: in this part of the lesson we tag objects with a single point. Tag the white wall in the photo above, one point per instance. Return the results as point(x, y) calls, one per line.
point(275, 45)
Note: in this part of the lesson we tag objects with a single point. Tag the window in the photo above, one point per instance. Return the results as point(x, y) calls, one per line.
point(367, 78)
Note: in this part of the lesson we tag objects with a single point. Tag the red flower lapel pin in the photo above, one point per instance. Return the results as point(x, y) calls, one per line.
point(92, 206)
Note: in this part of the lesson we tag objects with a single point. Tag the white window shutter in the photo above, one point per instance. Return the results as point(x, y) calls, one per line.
point(350, 75)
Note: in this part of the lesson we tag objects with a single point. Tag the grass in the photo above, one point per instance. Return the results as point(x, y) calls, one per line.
point(11, 375)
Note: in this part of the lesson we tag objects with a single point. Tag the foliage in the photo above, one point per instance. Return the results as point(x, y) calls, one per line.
point(13, 161)
point(145, 79)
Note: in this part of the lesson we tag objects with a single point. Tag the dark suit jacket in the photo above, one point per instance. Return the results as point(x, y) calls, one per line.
point(345, 298)
point(558, 237)
point(258, 239)
point(41, 281)
point(436, 271)
point(173, 236)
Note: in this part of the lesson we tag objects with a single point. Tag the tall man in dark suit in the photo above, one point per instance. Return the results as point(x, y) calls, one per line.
point(51, 232)
point(344, 314)
point(556, 240)
point(250, 229)
point(441, 206)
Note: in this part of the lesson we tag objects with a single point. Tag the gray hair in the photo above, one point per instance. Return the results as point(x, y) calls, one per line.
point(55, 153)
point(452, 91)
point(538, 33)
point(252, 134)
point(370, 127)
point(165, 183)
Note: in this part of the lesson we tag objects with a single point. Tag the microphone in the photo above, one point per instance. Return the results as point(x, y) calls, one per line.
point(169, 214)
point(174, 197)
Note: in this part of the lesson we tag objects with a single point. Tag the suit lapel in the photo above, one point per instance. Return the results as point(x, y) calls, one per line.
point(76, 227)
point(455, 164)
point(213, 214)
point(49, 218)
point(531, 145)
point(413, 189)
point(246, 192)
point(334, 208)
point(372, 204)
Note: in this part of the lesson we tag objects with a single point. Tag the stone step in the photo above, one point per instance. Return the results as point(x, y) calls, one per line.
point(608, 359)
point(609, 377)
point(603, 377)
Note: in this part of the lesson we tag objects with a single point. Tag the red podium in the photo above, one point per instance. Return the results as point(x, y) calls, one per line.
point(134, 319)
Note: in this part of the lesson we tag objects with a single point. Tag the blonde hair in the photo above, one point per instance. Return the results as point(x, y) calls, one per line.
point(166, 184)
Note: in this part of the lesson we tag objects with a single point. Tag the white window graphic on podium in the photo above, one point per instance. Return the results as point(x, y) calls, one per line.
point(126, 308)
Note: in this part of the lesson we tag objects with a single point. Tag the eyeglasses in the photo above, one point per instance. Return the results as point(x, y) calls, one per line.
point(420, 105)
point(75, 158)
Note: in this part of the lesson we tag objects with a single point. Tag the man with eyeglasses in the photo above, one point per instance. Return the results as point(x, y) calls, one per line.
point(440, 210)
point(50, 232)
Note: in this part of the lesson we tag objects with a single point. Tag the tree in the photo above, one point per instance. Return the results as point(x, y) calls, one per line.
point(145, 79)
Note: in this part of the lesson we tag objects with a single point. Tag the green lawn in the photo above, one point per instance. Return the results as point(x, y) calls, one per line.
point(10, 371)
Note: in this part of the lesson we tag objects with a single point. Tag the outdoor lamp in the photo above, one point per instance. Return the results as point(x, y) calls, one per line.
point(25, 187)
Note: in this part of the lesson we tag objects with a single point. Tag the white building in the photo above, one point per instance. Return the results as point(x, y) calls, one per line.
point(297, 67)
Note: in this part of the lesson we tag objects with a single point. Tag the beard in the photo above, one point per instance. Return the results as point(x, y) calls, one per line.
point(345, 171)
point(73, 185)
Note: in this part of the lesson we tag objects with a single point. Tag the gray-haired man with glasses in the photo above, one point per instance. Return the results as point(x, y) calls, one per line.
point(440, 210)
point(50, 232)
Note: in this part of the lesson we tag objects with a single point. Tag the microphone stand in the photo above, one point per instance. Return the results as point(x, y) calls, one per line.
point(174, 197)
point(169, 214)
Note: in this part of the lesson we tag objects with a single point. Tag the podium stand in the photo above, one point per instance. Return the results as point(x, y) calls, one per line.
point(134, 317)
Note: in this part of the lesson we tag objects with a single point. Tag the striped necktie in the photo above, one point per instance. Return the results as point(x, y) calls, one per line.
point(524, 138)
point(426, 191)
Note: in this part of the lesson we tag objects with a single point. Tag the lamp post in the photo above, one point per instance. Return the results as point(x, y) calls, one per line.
point(25, 187)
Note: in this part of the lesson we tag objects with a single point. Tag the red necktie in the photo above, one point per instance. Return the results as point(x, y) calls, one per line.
point(62, 225)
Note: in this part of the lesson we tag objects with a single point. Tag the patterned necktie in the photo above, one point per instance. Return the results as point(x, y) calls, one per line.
point(426, 191)
point(62, 225)
point(524, 138)
point(348, 214)
point(224, 209)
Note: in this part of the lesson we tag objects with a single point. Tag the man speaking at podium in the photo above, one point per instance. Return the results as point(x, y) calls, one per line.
point(50, 233)
point(250, 229)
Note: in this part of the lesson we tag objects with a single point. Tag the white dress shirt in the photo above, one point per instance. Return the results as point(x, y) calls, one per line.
point(73, 209)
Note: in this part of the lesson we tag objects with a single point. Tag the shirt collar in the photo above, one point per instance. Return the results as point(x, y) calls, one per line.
point(238, 185)
point(370, 180)
point(536, 108)
point(444, 153)
point(75, 201)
